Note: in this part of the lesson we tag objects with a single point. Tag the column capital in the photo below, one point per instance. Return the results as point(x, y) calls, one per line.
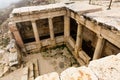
point(12, 24)
point(50, 17)
point(33, 21)
point(78, 22)
point(99, 36)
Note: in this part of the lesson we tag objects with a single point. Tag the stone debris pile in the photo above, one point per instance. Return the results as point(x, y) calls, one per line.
point(107, 68)
point(9, 57)
point(13, 53)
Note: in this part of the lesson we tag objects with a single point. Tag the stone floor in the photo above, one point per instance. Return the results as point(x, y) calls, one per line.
point(55, 59)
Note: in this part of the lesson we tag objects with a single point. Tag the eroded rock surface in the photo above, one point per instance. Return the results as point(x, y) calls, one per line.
point(80, 73)
point(50, 76)
point(107, 68)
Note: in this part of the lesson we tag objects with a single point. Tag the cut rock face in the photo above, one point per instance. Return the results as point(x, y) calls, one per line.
point(81, 73)
point(107, 68)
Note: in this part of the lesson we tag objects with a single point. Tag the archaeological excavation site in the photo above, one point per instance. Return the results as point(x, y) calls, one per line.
point(69, 40)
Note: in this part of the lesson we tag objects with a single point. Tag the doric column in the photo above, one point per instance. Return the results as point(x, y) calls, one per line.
point(14, 30)
point(36, 34)
point(99, 47)
point(78, 45)
point(66, 27)
point(51, 31)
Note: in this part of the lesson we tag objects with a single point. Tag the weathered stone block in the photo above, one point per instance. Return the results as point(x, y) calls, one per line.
point(81, 73)
point(107, 68)
point(50, 76)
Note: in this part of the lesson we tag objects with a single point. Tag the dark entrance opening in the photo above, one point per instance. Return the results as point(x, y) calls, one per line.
point(43, 29)
point(89, 41)
point(29, 40)
point(73, 28)
point(26, 31)
point(88, 48)
point(58, 26)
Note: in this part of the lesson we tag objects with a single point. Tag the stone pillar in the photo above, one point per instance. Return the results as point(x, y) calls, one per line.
point(36, 34)
point(14, 30)
point(66, 27)
point(99, 47)
point(78, 45)
point(51, 31)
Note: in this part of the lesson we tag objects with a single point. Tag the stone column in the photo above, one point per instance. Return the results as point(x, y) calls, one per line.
point(99, 47)
point(78, 45)
point(66, 27)
point(36, 34)
point(51, 31)
point(14, 30)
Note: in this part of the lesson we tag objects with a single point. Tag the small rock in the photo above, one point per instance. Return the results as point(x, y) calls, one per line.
point(61, 65)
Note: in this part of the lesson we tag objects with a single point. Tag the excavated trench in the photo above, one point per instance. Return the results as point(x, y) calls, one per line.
point(89, 40)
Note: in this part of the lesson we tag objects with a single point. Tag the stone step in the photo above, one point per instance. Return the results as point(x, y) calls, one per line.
point(31, 72)
point(36, 68)
point(33, 69)
point(25, 74)
point(84, 58)
point(69, 47)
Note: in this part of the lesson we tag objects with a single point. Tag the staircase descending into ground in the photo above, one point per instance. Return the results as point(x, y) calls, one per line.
point(31, 70)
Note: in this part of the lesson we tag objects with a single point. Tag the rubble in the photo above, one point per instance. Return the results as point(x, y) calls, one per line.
point(8, 58)
point(13, 53)
point(3, 69)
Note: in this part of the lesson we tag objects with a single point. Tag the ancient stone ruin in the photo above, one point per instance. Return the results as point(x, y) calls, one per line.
point(86, 32)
